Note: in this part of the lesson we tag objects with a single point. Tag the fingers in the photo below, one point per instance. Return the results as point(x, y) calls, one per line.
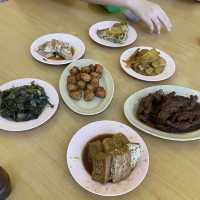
point(154, 17)
point(157, 25)
point(149, 23)
point(164, 19)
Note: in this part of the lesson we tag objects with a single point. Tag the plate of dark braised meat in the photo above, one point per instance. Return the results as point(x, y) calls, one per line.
point(166, 111)
point(26, 104)
point(86, 87)
point(107, 158)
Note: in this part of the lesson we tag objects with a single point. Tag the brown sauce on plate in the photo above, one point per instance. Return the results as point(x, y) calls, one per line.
point(85, 159)
point(56, 58)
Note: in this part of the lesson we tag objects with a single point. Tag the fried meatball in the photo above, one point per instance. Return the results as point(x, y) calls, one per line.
point(72, 87)
point(71, 79)
point(90, 87)
point(95, 75)
point(78, 77)
point(100, 92)
point(92, 68)
point(76, 95)
point(85, 77)
point(74, 71)
point(99, 68)
point(85, 69)
point(95, 82)
point(81, 84)
point(88, 95)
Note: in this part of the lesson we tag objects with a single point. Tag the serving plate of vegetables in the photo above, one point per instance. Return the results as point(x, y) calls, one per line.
point(26, 104)
point(147, 64)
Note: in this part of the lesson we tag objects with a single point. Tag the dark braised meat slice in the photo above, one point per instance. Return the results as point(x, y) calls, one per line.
point(170, 112)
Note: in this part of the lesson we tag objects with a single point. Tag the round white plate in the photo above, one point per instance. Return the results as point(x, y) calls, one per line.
point(45, 115)
point(81, 176)
point(77, 44)
point(167, 73)
point(132, 34)
point(97, 105)
point(131, 105)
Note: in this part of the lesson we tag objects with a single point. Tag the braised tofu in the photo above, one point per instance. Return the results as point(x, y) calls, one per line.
point(94, 148)
point(101, 164)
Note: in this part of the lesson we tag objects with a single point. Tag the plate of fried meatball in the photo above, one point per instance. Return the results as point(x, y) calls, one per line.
point(86, 87)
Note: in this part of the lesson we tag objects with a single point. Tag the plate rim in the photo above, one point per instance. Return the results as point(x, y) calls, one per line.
point(114, 122)
point(112, 45)
point(148, 78)
point(60, 63)
point(151, 132)
point(69, 105)
point(23, 130)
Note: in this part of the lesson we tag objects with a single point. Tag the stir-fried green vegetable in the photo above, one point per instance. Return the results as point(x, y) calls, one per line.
point(23, 103)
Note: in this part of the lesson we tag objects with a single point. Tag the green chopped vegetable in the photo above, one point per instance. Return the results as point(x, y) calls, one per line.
point(23, 103)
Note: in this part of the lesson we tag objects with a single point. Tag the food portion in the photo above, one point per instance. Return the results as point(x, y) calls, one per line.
point(146, 62)
point(118, 33)
point(110, 158)
point(85, 82)
point(5, 184)
point(170, 112)
point(23, 103)
point(56, 50)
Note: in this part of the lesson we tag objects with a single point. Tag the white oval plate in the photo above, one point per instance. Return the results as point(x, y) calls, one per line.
point(44, 116)
point(131, 105)
point(167, 73)
point(77, 44)
point(132, 34)
point(97, 105)
point(81, 176)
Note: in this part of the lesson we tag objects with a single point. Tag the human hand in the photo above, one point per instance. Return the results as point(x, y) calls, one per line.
point(152, 15)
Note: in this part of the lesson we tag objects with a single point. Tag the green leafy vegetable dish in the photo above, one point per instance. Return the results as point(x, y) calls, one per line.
point(23, 103)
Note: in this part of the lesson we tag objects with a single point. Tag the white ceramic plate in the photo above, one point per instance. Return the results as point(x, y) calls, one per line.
point(132, 34)
point(97, 105)
point(81, 176)
point(131, 105)
point(167, 73)
point(77, 44)
point(45, 115)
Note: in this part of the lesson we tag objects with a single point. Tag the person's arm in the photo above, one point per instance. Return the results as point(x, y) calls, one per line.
point(152, 14)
